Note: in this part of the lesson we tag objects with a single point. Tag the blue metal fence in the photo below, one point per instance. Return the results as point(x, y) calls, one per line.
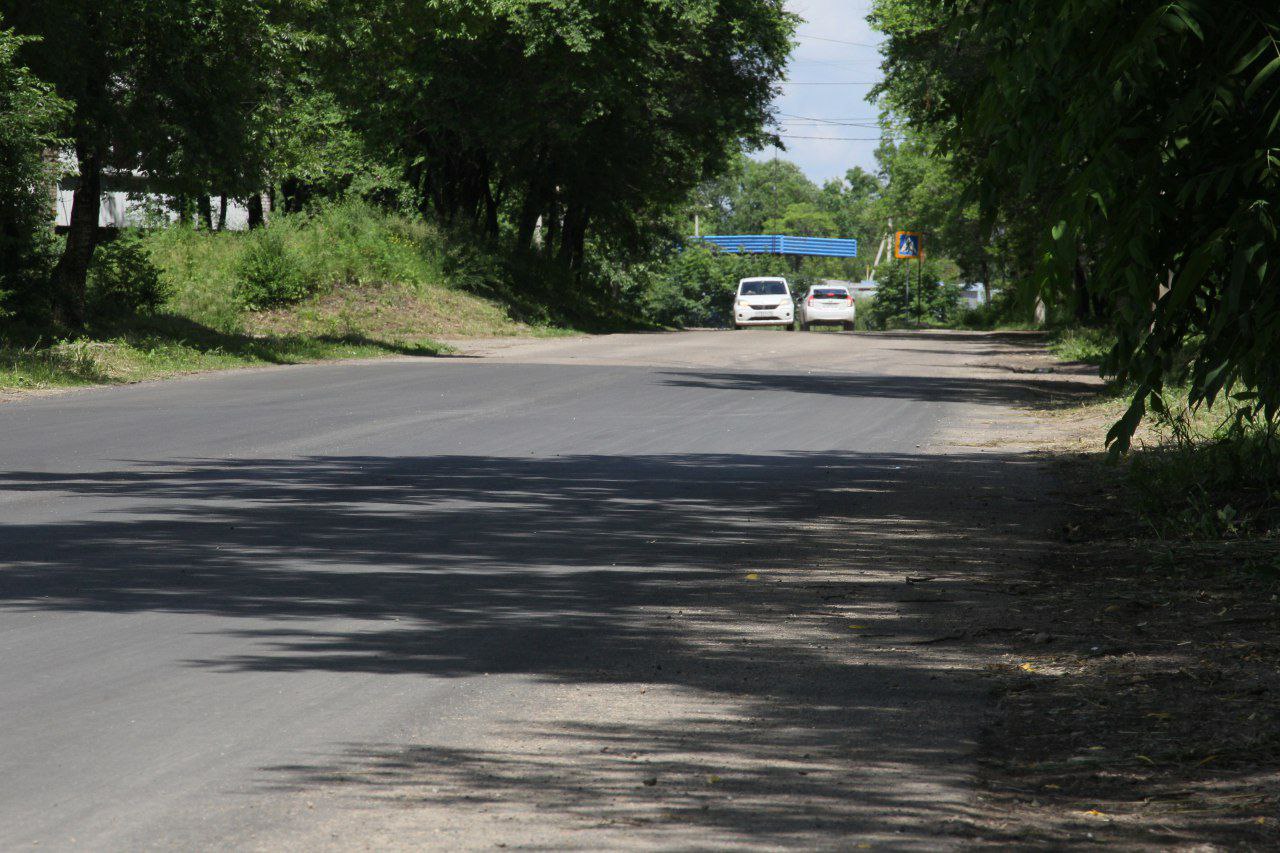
point(780, 244)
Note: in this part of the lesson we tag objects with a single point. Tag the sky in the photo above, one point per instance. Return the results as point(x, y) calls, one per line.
point(828, 81)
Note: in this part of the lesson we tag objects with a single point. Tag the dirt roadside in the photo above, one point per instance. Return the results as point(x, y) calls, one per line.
point(1137, 698)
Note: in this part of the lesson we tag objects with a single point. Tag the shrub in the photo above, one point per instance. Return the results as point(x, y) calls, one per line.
point(899, 301)
point(124, 281)
point(270, 274)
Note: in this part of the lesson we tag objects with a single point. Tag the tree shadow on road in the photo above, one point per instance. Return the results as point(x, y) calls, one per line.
point(995, 391)
point(730, 581)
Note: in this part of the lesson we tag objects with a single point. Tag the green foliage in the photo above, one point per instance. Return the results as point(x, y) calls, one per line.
point(123, 280)
point(1208, 473)
point(696, 285)
point(803, 220)
point(591, 115)
point(29, 115)
point(270, 273)
point(1141, 140)
point(1002, 311)
point(164, 87)
point(901, 300)
point(751, 194)
point(1088, 344)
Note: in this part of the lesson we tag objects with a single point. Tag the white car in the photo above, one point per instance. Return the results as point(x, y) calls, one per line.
point(827, 304)
point(763, 302)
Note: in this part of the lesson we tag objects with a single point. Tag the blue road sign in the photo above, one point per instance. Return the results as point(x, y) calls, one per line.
point(908, 245)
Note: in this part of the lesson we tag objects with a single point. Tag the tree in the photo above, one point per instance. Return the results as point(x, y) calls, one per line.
point(802, 220)
point(165, 87)
point(1144, 134)
point(853, 204)
point(754, 192)
point(930, 68)
point(906, 293)
point(584, 115)
point(29, 116)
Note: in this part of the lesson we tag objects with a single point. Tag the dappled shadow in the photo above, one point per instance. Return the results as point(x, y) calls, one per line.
point(936, 389)
point(1013, 339)
point(591, 570)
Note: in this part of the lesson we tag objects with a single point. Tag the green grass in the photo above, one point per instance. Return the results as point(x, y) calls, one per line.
point(167, 346)
point(378, 284)
point(1203, 474)
point(1082, 343)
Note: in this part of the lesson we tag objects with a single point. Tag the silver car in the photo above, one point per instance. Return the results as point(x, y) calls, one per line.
point(827, 304)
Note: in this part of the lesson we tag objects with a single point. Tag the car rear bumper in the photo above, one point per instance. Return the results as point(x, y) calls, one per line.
point(828, 315)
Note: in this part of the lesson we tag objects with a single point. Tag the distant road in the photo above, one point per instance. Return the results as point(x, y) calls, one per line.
point(485, 600)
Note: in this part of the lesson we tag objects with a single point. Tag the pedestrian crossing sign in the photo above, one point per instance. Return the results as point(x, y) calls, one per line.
point(907, 245)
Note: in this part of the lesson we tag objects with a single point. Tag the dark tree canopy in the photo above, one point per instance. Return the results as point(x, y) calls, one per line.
point(581, 114)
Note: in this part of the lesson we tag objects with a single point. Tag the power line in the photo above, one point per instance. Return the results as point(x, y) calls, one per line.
point(830, 82)
point(815, 118)
point(835, 138)
point(838, 63)
point(789, 126)
point(835, 41)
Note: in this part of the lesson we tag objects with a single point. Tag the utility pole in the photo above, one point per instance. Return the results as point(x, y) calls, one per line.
point(919, 284)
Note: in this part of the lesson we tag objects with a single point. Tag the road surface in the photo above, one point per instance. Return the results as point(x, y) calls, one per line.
point(638, 590)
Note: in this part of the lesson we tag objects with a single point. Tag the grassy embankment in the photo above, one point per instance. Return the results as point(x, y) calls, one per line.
point(364, 284)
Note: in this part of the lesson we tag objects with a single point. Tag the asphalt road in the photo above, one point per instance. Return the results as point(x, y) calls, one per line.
point(417, 602)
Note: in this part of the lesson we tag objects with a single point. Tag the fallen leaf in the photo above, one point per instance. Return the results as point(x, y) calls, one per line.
point(857, 627)
point(752, 576)
point(1096, 812)
point(712, 779)
point(1027, 667)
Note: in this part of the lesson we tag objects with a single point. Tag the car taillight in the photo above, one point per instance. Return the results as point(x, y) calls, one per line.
point(810, 301)
point(850, 300)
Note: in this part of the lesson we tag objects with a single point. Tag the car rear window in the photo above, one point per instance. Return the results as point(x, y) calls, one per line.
point(830, 293)
point(763, 288)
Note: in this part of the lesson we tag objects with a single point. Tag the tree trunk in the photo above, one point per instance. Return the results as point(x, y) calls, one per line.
point(527, 220)
point(573, 237)
point(256, 217)
point(569, 234)
point(1084, 305)
point(72, 269)
point(222, 212)
point(205, 206)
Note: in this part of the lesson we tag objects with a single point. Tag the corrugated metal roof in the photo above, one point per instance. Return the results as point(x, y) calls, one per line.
point(781, 244)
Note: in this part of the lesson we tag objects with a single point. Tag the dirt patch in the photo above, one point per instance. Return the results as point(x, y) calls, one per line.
point(1138, 698)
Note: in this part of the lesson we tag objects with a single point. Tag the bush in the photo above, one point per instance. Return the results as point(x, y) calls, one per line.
point(270, 274)
point(123, 280)
point(29, 117)
point(898, 302)
point(1208, 472)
